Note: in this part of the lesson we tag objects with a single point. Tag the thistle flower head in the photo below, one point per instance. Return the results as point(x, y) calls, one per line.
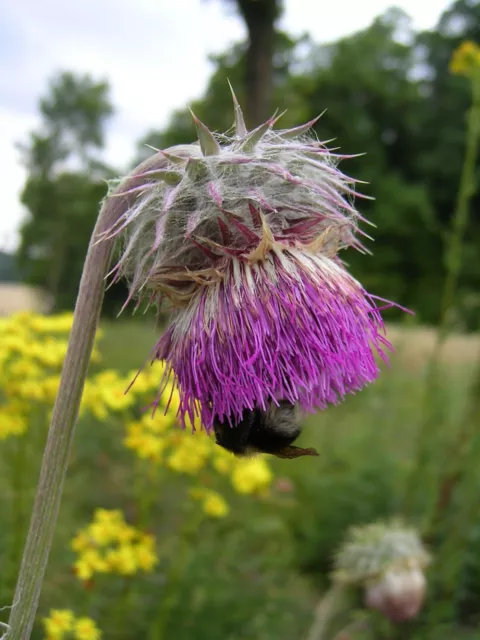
point(240, 234)
point(388, 561)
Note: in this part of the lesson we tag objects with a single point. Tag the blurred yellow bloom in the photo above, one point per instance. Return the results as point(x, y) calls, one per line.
point(184, 460)
point(465, 60)
point(58, 623)
point(146, 445)
point(90, 562)
point(126, 534)
point(223, 461)
point(215, 506)
point(86, 629)
point(110, 545)
point(122, 560)
point(251, 475)
point(115, 397)
point(159, 423)
point(81, 542)
point(25, 369)
point(145, 554)
point(11, 424)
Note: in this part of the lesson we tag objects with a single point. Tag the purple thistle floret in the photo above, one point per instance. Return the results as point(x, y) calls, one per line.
point(240, 235)
point(293, 327)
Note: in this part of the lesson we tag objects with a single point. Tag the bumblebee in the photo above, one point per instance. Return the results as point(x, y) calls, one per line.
point(271, 431)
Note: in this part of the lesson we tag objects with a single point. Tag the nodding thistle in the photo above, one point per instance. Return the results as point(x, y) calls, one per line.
point(239, 235)
point(388, 561)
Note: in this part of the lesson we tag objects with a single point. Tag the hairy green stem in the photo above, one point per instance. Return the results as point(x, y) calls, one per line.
point(62, 427)
point(324, 612)
point(453, 262)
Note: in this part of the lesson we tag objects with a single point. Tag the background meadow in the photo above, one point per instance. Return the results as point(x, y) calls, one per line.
point(161, 533)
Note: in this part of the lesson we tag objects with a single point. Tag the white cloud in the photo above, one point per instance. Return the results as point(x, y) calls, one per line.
point(154, 54)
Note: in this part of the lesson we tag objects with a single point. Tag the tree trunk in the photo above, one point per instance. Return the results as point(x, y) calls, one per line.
point(260, 17)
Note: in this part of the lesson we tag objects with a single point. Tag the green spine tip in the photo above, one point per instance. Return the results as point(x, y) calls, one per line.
point(249, 143)
point(208, 144)
point(167, 175)
point(300, 130)
point(240, 127)
point(173, 158)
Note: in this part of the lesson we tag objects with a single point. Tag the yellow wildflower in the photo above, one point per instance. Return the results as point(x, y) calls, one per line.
point(122, 560)
point(223, 461)
point(90, 562)
point(110, 545)
point(81, 542)
point(114, 396)
point(147, 445)
point(126, 534)
point(102, 533)
point(59, 622)
point(466, 59)
point(11, 424)
point(145, 554)
point(215, 506)
point(159, 423)
point(251, 475)
point(86, 629)
point(182, 460)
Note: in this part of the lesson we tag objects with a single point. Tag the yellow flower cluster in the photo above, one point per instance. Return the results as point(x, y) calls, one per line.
point(32, 351)
point(110, 545)
point(465, 60)
point(62, 624)
point(157, 440)
point(213, 504)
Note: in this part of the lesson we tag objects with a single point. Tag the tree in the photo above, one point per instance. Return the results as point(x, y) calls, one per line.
point(260, 17)
point(64, 185)
point(215, 106)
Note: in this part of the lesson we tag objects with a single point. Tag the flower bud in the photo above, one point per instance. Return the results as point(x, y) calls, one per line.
point(398, 594)
point(388, 562)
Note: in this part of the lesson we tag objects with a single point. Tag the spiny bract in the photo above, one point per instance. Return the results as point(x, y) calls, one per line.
point(230, 197)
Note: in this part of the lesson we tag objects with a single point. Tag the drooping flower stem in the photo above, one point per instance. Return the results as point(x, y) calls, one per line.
point(62, 426)
point(453, 261)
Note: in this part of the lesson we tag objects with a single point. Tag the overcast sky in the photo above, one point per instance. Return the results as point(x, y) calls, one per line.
point(153, 52)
